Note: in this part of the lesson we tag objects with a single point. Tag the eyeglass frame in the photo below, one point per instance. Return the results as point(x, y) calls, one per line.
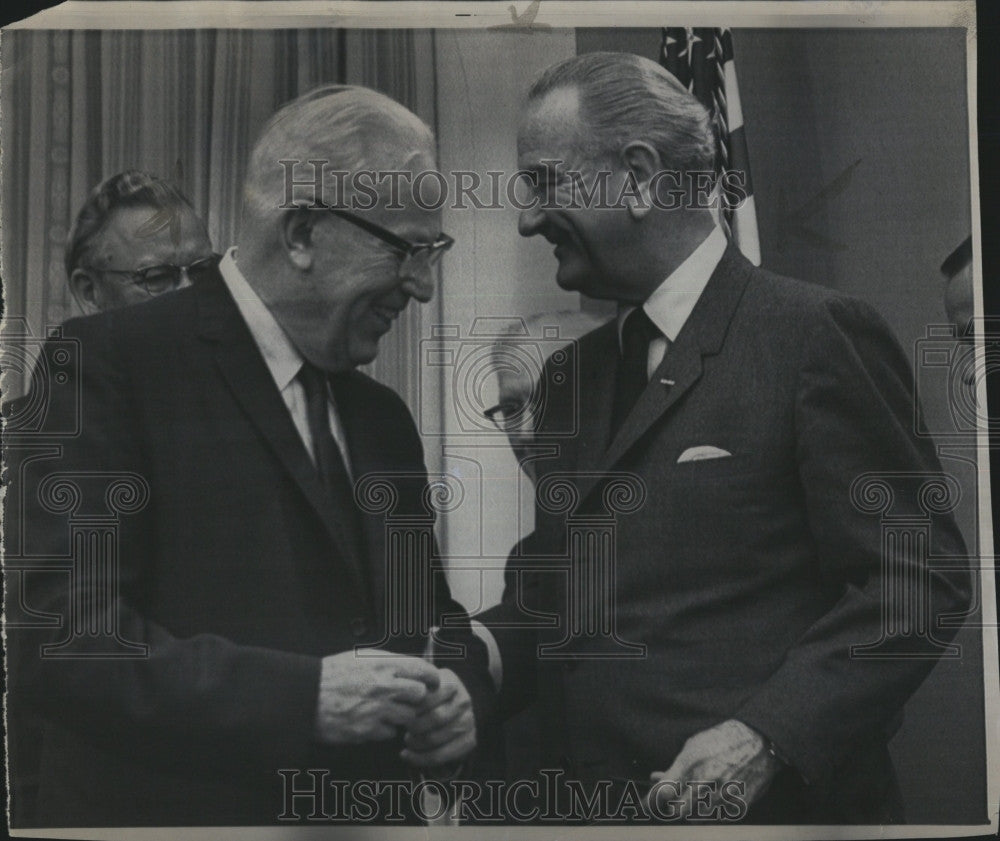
point(410, 250)
point(518, 409)
point(139, 275)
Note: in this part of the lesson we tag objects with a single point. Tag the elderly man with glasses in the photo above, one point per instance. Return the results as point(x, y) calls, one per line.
point(258, 670)
point(135, 237)
point(523, 391)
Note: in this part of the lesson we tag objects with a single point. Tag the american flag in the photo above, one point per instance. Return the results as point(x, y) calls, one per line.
point(702, 60)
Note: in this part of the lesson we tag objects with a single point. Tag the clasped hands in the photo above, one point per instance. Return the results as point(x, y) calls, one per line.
point(368, 695)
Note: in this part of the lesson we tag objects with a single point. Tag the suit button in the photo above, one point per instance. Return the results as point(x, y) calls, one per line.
point(359, 627)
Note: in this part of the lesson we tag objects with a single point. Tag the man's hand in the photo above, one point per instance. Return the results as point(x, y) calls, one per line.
point(445, 729)
point(730, 751)
point(365, 696)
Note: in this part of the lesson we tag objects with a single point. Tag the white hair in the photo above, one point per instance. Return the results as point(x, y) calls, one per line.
point(347, 127)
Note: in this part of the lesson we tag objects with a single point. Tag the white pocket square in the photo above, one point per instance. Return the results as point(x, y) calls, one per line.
point(701, 453)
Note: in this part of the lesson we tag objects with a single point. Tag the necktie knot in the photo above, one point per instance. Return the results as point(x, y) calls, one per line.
point(637, 332)
point(314, 381)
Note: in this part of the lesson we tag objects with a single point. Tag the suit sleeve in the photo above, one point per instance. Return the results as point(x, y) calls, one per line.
point(516, 641)
point(472, 667)
point(202, 696)
point(854, 415)
point(469, 659)
point(527, 581)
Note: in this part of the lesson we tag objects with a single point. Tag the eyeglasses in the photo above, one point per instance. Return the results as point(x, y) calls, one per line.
point(511, 417)
point(423, 255)
point(156, 280)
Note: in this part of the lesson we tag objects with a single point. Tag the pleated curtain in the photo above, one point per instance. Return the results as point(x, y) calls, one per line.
point(186, 105)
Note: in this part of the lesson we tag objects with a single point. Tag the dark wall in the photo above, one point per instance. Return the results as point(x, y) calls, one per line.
point(882, 116)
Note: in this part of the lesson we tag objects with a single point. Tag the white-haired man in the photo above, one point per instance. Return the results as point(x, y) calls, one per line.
point(264, 674)
point(707, 655)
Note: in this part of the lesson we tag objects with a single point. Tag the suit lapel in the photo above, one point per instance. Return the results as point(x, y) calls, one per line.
point(702, 335)
point(250, 382)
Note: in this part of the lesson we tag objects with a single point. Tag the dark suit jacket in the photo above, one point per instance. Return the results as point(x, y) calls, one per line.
point(746, 579)
point(236, 573)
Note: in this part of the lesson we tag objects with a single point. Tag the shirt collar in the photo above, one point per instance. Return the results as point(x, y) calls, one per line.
point(280, 355)
point(671, 303)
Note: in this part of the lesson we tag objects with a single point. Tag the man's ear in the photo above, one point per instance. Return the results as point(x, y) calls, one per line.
point(642, 163)
point(297, 238)
point(84, 286)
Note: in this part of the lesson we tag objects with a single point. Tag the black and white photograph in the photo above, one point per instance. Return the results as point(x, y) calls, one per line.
point(565, 419)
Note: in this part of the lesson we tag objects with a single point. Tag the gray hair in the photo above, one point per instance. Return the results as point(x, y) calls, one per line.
point(625, 97)
point(350, 128)
point(131, 188)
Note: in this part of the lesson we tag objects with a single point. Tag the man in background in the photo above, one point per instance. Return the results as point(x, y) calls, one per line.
point(135, 237)
point(958, 297)
point(522, 392)
point(241, 628)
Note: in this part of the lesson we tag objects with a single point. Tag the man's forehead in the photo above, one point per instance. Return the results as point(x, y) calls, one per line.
point(405, 195)
point(551, 120)
point(145, 233)
point(406, 218)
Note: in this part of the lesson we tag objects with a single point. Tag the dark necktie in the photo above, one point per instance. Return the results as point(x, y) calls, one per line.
point(329, 460)
point(637, 332)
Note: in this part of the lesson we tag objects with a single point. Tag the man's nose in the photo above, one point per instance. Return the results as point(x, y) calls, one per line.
point(419, 284)
point(529, 221)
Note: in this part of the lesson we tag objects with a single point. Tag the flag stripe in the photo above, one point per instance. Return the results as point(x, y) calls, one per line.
point(702, 60)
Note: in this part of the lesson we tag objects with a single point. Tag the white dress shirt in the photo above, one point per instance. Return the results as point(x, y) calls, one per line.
point(281, 357)
point(671, 303)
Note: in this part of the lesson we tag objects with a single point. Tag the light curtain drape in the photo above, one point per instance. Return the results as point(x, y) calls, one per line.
point(182, 104)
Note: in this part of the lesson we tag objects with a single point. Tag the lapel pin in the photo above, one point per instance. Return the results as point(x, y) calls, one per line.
point(667, 382)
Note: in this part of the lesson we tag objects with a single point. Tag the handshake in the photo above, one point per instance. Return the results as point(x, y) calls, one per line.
point(366, 697)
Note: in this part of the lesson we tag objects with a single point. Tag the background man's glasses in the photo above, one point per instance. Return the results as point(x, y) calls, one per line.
point(510, 417)
point(165, 278)
point(422, 255)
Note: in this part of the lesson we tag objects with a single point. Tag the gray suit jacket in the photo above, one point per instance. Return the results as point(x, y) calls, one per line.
point(740, 584)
